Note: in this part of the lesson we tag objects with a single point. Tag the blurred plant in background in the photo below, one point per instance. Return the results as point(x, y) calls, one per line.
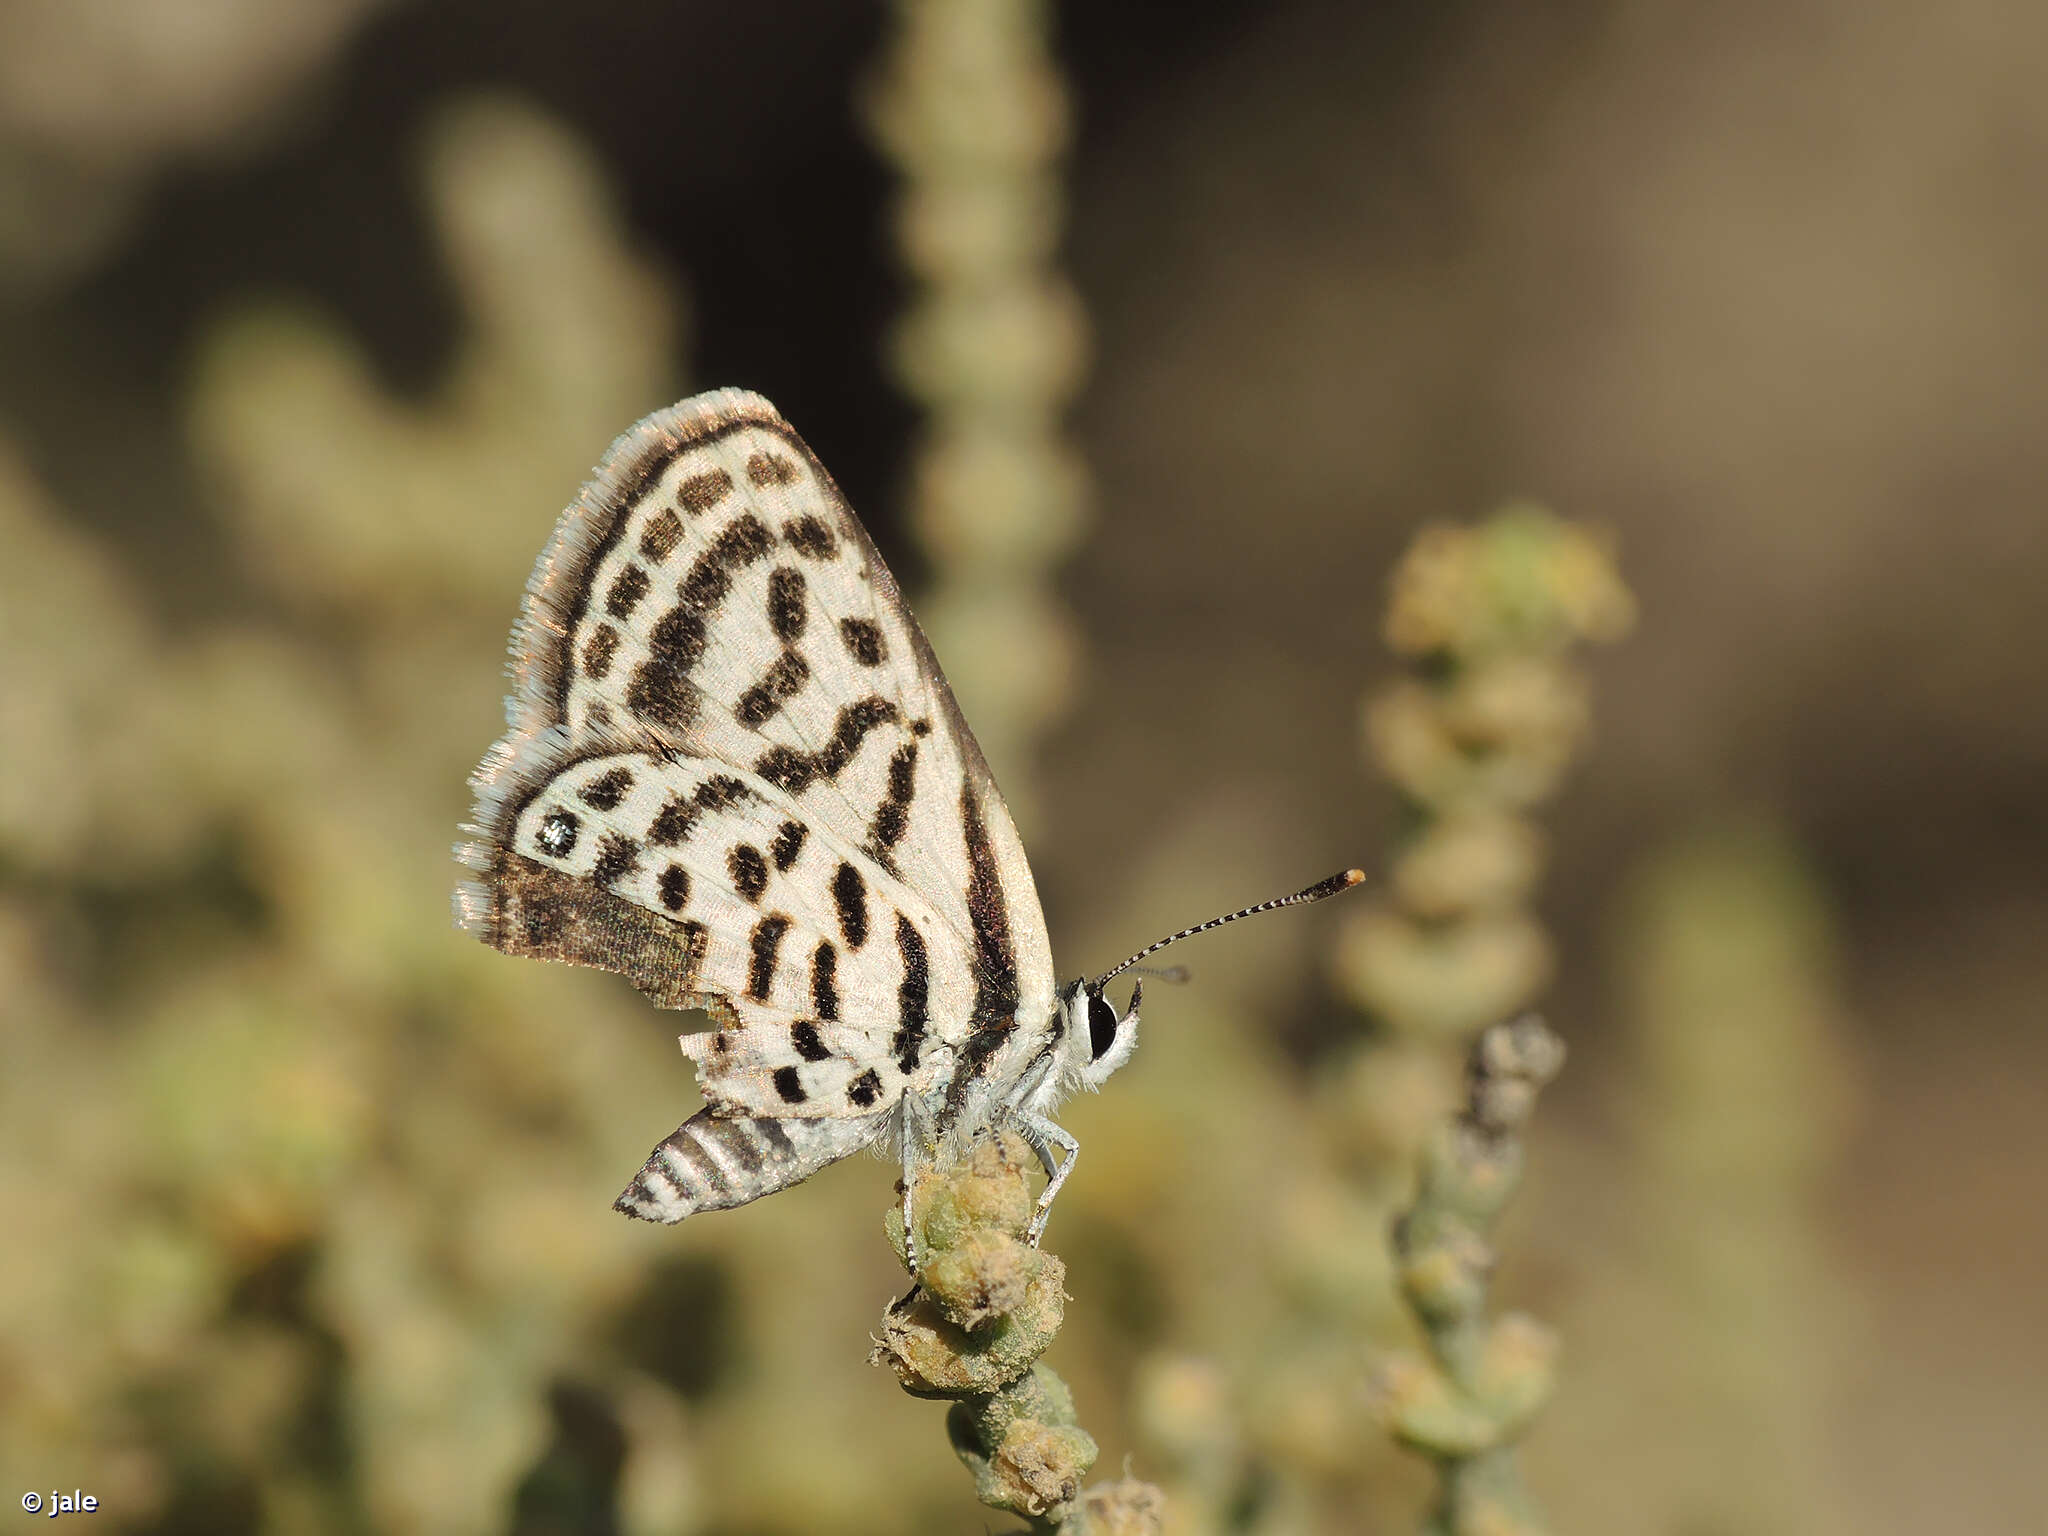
point(1728, 965)
point(95, 94)
point(305, 1194)
point(1467, 1402)
point(1283, 1435)
point(345, 1262)
point(971, 109)
point(1476, 734)
point(303, 1304)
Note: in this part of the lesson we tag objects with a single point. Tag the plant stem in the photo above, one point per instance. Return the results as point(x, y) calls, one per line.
point(986, 1305)
point(1466, 1404)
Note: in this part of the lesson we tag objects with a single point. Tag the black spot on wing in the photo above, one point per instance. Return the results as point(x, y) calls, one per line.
point(787, 769)
point(604, 792)
point(850, 896)
point(811, 537)
point(673, 822)
point(787, 609)
point(762, 947)
point(720, 791)
point(771, 469)
point(788, 845)
point(790, 1085)
point(913, 996)
point(700, 493)
point(617, 857)
point(852, 727)
point(865, 1089)
point(825, 981)
point(661, 691)
point(742, 542)
point(988, 910)
point(663, 533)
point(749, 871)
point(793, 772)
point(680, 815)
point(994, 1018)
point(785, 678)
point(678, 640)
point(556, 835)
point(662, 697)
point(804, 1040)
point(863, 641)
point(675, 887)
point(598, 652)
point(627, 588)
point(892, 816)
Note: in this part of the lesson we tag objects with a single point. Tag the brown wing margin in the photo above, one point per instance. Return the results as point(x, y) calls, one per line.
point(539, 912)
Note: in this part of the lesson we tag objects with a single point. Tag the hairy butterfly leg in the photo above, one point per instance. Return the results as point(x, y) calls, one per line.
point(1042, 1136)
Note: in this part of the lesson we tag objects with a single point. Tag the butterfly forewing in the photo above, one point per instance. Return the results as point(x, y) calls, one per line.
point(736, 775)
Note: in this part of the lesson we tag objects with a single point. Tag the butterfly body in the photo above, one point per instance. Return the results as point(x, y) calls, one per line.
point(735, 774)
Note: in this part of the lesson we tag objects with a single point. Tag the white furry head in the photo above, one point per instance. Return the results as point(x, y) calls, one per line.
point(1098, 1038)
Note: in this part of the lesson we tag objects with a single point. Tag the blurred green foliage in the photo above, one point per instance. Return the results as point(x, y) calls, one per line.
point(970, 107)
point(1729, 958)
point(305, 1193)
point(303, 1182)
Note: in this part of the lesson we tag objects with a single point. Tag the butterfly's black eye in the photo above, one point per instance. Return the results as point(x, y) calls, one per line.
point(1102, 1023)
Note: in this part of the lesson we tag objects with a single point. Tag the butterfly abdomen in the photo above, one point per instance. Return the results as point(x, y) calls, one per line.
point(712, 1164)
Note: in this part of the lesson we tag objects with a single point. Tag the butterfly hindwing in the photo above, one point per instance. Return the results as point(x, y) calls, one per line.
point(816, 962)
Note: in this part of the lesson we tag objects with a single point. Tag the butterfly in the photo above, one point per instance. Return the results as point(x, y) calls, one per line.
point(735, 775)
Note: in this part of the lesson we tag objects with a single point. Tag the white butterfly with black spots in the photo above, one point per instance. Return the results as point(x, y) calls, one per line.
point(735, 775)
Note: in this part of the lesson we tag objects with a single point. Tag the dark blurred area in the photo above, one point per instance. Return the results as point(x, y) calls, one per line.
point(315, 312)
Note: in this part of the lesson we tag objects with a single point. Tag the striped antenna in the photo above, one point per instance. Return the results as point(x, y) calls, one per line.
point(1317, 892)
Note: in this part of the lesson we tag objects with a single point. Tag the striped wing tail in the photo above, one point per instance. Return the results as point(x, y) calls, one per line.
point(712, 1164)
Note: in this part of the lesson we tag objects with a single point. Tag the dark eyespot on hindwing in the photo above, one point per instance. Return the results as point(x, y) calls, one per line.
point(557, 834)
